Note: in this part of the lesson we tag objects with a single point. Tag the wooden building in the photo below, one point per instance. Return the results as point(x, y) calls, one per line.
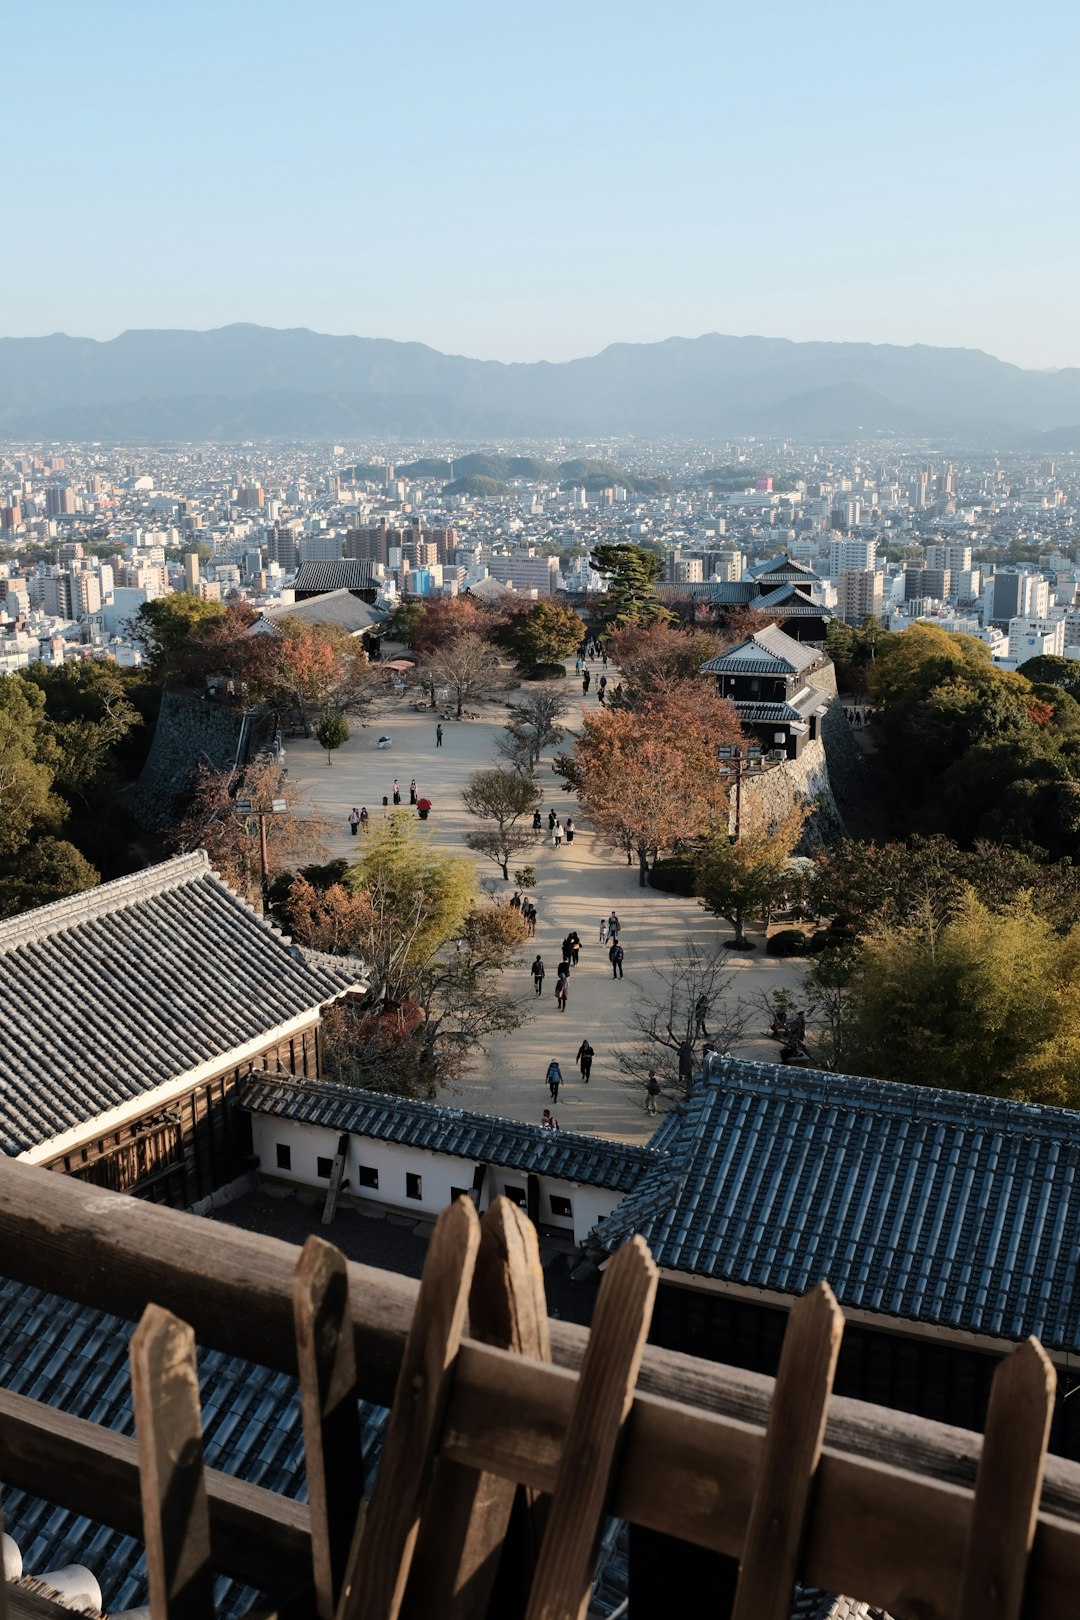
point(947, 1225)
point(129, 1015)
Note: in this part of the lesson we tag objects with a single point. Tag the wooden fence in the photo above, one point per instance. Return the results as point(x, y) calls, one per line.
point(505, 1449)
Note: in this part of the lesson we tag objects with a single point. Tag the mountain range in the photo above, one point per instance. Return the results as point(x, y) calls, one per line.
point(243, 382)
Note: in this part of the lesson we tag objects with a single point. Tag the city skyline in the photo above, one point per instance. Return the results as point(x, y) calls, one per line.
point(540, 186)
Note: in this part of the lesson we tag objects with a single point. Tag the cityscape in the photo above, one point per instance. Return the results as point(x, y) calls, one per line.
point(539, 813)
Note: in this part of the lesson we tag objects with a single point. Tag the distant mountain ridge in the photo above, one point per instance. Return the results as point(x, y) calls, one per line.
point(248, 381)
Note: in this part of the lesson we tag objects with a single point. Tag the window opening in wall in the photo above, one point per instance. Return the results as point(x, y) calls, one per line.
point(413, 1185)
point(366, 1176)
point(516, 1196)
point(284, 1156)
point(561, 1206)
point(323, 1168)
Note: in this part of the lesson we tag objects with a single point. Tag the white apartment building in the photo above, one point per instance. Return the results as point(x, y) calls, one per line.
point(851, 556)
point(1035, 638)
point(957, 559)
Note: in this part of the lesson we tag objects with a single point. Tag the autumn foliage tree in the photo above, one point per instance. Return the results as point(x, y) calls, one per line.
point(744, 878)
point(649, 777)
point(655, 657)
point(232, 837)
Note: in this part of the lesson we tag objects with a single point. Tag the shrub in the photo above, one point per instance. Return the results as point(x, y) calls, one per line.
point(788, 942)
point(675, 875)
point(545, 672)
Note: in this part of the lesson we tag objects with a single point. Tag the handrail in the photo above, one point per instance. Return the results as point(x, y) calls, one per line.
point(893, 1518)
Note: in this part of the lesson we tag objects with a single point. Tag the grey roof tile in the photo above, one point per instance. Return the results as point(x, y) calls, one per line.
point(766, 652)
point(934, 1206)
point(483, 1137)
point(340, 608)
point(114, 992)
point(345, 574)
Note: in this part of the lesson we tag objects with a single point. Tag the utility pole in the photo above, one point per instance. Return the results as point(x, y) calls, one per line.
point(743, 758)
point(246, 807)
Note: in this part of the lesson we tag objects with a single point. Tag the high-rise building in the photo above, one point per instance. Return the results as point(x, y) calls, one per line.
point(191, 572)
point(851, 556)
point(1035, 637)
point(860, 594)
point(957, 559)
point(281, 546)
point(1009, 595)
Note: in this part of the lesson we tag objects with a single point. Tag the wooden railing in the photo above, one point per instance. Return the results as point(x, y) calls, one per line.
point(505, 1448)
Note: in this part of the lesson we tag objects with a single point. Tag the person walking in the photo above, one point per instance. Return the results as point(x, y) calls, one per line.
point(586, 682)
point(397, 791)
point(603, 930)
point(515, 900)
point(552, 819)
point(413, 795)
point(567, 947)
point(652, 1091)
point(354, 821)
point(438, 735)
point(537, 971)
point(554, 1080)
point(570, 829)
point(600, 697)
point(364, 817)
point(556, 833)
point(613, 927)
point(585, 1055)
point(529, 913)
point(561, 985)
point(686, 1064)
point(701, 1012)
point(573, 939)
point(615, 957)
point(538, 825)
point(577, 665)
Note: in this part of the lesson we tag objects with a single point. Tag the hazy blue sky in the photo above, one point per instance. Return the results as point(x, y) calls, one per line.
point(523, 181)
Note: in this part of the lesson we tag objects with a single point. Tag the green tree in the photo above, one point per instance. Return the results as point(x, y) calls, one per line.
point(406, 622)
point(745, 877)
point(48, 869)
point(1050, 670)
point(29, 757)
point(500, 799)
point(633, 572)
point(165, 627)
point(546, 634)
point(988, 1001)
point(332, 731)
point(840, 643)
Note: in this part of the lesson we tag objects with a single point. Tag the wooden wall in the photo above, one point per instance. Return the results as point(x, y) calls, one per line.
point(181, 1151)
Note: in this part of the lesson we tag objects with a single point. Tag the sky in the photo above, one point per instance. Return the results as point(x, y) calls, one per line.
point(532, 181)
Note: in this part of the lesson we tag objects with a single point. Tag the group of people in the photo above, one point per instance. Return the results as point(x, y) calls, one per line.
point(358, 818)
point(856, 717)
point(414, 792)
point(554, 1078)
point(518, 902)
point(601, 689)
point(571, 956)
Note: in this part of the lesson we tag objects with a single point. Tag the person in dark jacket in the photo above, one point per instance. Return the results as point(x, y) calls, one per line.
point(537, 971)
point(615, 957)
point(585, 1055)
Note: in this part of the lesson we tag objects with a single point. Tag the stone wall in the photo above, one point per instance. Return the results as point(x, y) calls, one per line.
point(190, 732)
point(774, 791)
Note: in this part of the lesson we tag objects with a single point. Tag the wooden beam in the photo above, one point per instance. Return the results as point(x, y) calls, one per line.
point(255, 1535)
point(333, 1455)
point(1006, 1506)
point(470, 1532)
point(590, 1450)
point(168, 1429)
point(378, 1570)
point(789, 1458)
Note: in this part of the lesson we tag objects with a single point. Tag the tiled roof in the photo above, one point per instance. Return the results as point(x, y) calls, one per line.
point(732, 593)
point(340, 608)
point(76, 1358)
point(809, 701)
point(793, 602)
point(346, 574)
point(782, 568)
point(939, 1207)
point(768, 652)
point(489, 1140)
point(109, 994)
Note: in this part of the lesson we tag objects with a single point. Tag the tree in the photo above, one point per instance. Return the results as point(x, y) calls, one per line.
point(405, 622)
point(988, 1001)
point(653, 657)
point(29, 758)
point(332, 732)
point(90, 711)
point(633, 573)
point(500, 798)
point(744, 877)
point(1050, 670)
point(49, 869)
point(315, 668)
point(447, 618)
point(649, 779)
point(546, 634)
point(232, 837)
point(468, 666)
point(166, 626)
point(532, 727)
point(432, 955)
point(695, 987)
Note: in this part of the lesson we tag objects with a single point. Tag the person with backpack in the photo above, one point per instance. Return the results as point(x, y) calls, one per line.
point(652, 1091)
point(554, 1080)
point(615, 957)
